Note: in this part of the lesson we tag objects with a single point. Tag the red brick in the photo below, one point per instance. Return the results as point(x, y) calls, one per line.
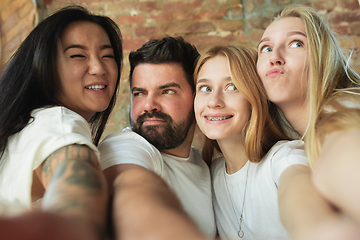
point(163, 17)
point(176, 6)
point(147, 31)
point(341, 29)
point(350, 4)
point(127, 19)
point(133, 44)
point(188, 27)
point(204, 42)
point(9, 23)
point(339, 17)
point(148, 6)
point(204, 15)
point(230, 25)
point(355, 28)
point(325, 5)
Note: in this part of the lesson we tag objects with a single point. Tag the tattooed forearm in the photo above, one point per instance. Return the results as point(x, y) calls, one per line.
point(75, 185)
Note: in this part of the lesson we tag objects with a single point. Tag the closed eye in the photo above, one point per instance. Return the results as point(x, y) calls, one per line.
point(109, 56)
point(77, 56)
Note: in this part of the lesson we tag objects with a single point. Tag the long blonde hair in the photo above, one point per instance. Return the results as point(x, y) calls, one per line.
point(260, 133)
point(329, 75)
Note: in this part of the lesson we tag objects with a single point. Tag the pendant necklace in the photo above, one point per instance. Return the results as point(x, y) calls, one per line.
point(240, 232)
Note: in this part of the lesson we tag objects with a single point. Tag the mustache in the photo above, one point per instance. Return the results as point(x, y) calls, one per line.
point(160, 115)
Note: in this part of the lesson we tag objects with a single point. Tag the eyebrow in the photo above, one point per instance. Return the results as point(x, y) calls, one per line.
point(106, 46)
point(288, 35)
point(168, 85)
point(228, 79)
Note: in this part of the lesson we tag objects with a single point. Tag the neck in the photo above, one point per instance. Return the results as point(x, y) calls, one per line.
point(298, 116)
point(234, 152)
point(184, 149)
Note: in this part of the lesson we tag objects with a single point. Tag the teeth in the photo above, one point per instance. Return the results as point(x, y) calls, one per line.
point(96, 87)
point(216, 118)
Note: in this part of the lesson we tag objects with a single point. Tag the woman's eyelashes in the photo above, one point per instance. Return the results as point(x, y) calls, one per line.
point(296, 44)
point(293, 44)
point(206, 88)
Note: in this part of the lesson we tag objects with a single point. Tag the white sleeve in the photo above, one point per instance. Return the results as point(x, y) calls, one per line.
point(285, 154)
point(54, 128)
point(129, 148)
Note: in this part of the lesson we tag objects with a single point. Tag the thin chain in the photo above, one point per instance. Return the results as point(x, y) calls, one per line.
point(240, 232)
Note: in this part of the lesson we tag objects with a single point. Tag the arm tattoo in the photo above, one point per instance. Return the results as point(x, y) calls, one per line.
point(75, 185)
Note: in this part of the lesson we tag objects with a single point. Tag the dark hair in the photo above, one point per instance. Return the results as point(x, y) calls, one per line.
point(167, 50)
point(29, 79)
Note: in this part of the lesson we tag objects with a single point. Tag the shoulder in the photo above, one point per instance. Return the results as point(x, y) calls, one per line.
point(287, 148)
point(128, 137)
point(58, 116)
point(217, 165)
point(129, 147)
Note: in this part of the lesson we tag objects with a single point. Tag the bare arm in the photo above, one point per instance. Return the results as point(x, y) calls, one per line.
point(145, 208)
point(75, 186)
point(39, 225)
point(337, 172)
point(305, 214)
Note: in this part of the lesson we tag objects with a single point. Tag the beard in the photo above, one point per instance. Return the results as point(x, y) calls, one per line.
point(172, 135)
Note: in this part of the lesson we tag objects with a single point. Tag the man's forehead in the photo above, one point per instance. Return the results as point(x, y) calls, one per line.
point(159, 76)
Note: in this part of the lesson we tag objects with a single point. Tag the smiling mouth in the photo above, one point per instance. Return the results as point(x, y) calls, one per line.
point(96, 87)
point(217, 118)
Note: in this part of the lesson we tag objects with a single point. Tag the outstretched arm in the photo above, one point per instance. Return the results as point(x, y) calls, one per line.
point(144, 207)
point(75, 186)
point(336, 173)
point(40, 225)
point(306, 214)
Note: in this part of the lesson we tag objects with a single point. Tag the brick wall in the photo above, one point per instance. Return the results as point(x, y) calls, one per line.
point(203, 23)
point(17, 19)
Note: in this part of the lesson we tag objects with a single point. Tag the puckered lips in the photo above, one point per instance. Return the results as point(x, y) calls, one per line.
point(274, 72)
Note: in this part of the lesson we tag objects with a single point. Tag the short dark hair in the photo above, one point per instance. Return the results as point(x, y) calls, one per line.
point(167, 50)
point(29, 79)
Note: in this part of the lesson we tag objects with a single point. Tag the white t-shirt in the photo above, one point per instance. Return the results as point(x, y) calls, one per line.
point(51, 129)
point(261, 218)
point(188, 177)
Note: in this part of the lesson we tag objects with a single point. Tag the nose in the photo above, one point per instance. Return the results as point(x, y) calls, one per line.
point(152, 103)
point(216, 100)
point(276, 58)
point(96, 67)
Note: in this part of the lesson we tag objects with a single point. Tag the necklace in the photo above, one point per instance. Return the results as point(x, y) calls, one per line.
point(240, 232)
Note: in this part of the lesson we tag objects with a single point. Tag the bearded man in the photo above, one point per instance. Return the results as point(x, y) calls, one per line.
point(161, 185)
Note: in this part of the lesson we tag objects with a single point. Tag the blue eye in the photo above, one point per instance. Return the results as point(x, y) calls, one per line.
point(204, 89)
point(297, 44)
point(266, 49)
point(231, 87)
